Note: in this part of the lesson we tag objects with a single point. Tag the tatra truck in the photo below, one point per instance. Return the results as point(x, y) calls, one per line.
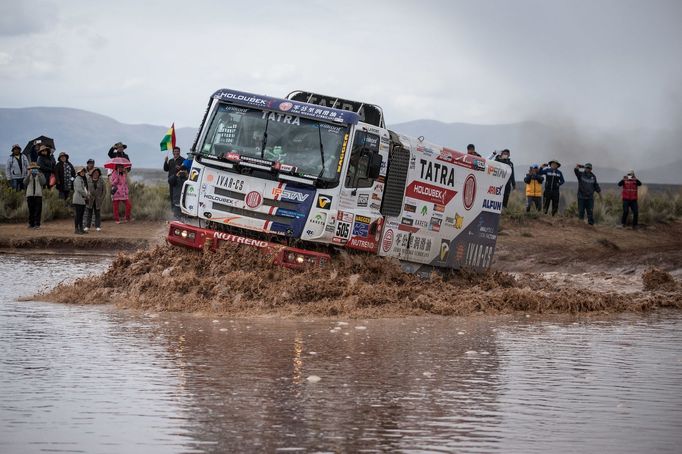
point(308, 174)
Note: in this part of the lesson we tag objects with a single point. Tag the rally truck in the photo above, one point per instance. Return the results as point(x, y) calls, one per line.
point(309, 174)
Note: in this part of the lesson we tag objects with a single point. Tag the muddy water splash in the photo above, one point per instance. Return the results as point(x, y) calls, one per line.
point(241, 281)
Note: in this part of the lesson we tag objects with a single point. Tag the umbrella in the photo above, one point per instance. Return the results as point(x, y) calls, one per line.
point(31, 153)
point(117, 162)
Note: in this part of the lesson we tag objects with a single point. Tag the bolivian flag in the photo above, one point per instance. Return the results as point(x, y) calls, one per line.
point(168, 141)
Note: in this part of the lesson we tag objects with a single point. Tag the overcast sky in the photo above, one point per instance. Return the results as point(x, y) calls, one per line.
point(605, 63)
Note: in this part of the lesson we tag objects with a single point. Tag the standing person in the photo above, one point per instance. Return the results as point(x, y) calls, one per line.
point(119, 191)
point(553, 181)
point(587, 186)
point(511, 183)
point(89, 167)
point(176, 182)
point(118, 151)
point(471, 149)
point(80, 199)
point(533, 182)
point(65, 174)
point(34, 182)
point(630, 183)
point(17, 168)
point(172, 166)
point(46, 163)
point(96, 188)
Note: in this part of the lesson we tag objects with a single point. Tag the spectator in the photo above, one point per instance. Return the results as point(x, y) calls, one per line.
point(89, 167)
point(172, 166)
point(471, 149)
point(34, 183)
point(65, 175)
point(587, 186)
point(176, 182)
point(80, 199)
point(553, 181)
point(630, 183)
point(46, 163)
point(96, 188)
point(511, 183)
point(533, 182)
point(17, 168)
point(119, 191)
point(117, 151)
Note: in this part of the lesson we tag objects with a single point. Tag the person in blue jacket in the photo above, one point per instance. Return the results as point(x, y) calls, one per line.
point(587, 186)
point(553, 181)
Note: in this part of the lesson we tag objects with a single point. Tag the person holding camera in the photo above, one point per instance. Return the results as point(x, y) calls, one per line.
point(34, 183)
point(630, 183)
point(587, 186)
point(553, 181)
point(503, 157)
point(176, 181)
point(172, 166)
point(533, 182)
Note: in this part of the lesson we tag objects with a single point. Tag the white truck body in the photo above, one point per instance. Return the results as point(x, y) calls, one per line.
point(290, 170)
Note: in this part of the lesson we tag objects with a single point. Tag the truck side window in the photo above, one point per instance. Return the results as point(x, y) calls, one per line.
point(359, 160)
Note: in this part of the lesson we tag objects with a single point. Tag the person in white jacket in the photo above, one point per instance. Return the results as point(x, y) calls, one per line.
point(34, 182)
point(17, 168)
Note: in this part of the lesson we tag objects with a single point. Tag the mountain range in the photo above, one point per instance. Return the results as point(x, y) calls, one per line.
point(86, 134)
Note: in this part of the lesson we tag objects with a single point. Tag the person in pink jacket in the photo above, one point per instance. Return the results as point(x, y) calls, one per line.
point(119, 192)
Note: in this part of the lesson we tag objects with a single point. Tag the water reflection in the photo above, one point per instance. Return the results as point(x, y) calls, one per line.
point(95, 379)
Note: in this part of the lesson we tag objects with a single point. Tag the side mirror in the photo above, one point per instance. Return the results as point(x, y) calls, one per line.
point(374, 167)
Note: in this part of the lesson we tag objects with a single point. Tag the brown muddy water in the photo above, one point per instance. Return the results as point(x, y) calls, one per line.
point(98, 379)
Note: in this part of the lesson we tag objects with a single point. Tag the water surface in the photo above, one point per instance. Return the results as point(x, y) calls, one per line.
point(95, 379)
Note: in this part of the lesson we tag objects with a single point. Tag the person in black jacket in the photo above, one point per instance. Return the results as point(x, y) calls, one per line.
point(553, 181)
point(511, 183)
point(176, 181)
point(587, 186)
point(65, 174)
point(118, 151)
point(172, 166)
point(46, 163)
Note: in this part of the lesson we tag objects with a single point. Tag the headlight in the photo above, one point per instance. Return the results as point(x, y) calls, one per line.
point(299, 259)
point(176, 232)
point(184, 234)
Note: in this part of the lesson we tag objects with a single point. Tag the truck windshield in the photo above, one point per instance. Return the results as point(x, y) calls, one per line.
point(311, 146)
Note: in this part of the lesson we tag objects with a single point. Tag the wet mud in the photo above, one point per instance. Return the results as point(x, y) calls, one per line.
point(238, 281)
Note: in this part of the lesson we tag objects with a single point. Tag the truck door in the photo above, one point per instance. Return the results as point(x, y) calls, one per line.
point(359, 221)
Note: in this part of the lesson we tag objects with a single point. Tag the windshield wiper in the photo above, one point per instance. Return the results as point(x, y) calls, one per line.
point(265, 139)
point(319, 131)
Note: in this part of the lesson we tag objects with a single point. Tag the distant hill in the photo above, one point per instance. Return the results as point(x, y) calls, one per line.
point(86, 134)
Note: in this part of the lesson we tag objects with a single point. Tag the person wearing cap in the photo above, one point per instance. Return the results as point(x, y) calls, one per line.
point(80, 199)
point(171, 166)
point(96, 190)
point(119, 192)
point(630, 183)
point(118, 151)
point(64, 173)
point(176, 181)
point(34, 183)
point(17, 168)
point(471, 149)
point(587, 186)
point(533, 182)
point(504, 157)
point(553, 181)
point(46, 163)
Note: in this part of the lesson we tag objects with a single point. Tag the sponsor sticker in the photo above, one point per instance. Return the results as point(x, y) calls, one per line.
point(444, 250)
point(254, 199)
point(363, 199)
point(410, 208)
point(429, 193)
point(492, 205)
point(387, 243)
point(435, 224)
point(194, 175)
point(469, 195)
point(495, 190)
point(324, 202)
point(286, 106)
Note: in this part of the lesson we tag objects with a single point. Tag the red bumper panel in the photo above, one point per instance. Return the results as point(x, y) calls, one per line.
point(180, 234)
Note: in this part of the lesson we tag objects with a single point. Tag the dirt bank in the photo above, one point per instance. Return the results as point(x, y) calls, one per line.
point(237, 281)
point(58, 235)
